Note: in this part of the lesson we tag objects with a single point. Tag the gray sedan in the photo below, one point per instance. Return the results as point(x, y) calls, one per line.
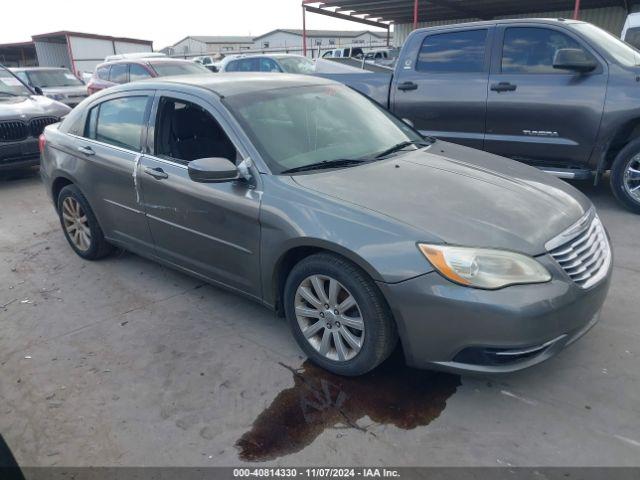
point(306, 196)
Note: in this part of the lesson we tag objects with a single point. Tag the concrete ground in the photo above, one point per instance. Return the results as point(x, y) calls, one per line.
point(124, 362)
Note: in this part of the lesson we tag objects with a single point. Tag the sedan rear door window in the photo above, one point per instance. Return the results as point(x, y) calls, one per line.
point(118, 122)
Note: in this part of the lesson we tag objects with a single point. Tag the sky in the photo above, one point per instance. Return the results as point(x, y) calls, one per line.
point(163, 21)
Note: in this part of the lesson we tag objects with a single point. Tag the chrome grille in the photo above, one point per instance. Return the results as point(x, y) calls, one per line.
point(13, 131)
point(586, 256)
point(36, 125)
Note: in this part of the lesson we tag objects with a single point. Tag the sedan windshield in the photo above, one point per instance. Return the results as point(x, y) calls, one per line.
point(169, 69)
point(302, 126)
point(52, 78)
point(296, 64)
point(10, 86)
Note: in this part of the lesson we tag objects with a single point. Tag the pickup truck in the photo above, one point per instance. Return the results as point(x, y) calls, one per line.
point(561, 95)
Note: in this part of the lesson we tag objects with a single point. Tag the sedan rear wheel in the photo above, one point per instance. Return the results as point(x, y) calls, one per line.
point(338, 315)
point(76, 224)
point(80, 225)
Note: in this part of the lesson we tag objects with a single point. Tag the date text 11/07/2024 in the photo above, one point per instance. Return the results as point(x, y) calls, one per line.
point(316, 472)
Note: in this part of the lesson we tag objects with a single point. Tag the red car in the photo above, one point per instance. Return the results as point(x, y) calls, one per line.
point(124, 71)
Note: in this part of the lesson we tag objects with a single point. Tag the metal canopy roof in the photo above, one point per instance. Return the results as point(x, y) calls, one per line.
point(401, 11)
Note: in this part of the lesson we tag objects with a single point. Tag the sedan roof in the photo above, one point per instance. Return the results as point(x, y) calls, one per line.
point(228, 84)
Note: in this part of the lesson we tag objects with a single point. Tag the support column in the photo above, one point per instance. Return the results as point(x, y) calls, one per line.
point(304, 31)
point(415, 14)
point(576, 10)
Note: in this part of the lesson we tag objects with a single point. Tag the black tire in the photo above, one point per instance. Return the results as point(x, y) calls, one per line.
point(98, 246)
point(380, 336)
point(626, 156)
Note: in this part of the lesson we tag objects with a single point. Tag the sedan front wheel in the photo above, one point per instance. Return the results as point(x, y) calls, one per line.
point(338, 316)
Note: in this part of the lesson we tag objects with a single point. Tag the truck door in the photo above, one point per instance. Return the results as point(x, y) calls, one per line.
point(441, 84)
point(536, 113)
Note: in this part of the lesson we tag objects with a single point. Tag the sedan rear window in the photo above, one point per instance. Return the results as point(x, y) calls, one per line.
point(118, 122)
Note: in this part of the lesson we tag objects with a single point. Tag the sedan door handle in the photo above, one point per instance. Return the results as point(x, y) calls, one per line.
point(157, 173)
point(406, 86)
point(503, 87)
point(86, 150)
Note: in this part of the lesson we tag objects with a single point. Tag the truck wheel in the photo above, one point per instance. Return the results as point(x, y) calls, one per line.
point(625, 176)
point(80, 225)
point(338, 316)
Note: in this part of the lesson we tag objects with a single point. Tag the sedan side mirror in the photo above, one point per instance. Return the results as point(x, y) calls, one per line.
point(574, 59)
point(38, 91)
point(212, 170)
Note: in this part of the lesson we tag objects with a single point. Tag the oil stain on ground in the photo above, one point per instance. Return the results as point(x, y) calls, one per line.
point(391, 394)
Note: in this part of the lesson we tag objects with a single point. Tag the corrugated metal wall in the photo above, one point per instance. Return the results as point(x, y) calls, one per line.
point(610, 18)
point(52, 54)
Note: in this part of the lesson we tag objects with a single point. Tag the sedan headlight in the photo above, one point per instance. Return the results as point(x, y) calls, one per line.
point(484, 268)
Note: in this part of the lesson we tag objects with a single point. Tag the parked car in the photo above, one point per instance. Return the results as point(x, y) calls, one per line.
point(280, 63)
point(57, 83)
point(308, 197)
point(631, 30)
point(561, 95)
point(208, 62)
point(23, 117)
point(134, 56)
point(124, 71)
point(355, 52)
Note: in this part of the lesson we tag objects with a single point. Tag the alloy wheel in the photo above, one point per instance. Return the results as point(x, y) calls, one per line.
point(632, 178)
point(76, 224)
point(329, 318)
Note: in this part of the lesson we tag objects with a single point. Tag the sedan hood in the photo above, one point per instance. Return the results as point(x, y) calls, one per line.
point(461, 196)
point(24, 108)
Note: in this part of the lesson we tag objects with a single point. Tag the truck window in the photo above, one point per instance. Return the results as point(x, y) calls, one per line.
point(462, 51)
point(532, 49)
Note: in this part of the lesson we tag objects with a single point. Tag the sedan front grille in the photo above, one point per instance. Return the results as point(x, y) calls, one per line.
point(13, 131)
point(36, 125)
point(586, 256)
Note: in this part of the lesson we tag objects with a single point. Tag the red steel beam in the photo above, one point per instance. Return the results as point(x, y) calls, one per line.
point(576, 10)
point(304, 29)
point(415, 14)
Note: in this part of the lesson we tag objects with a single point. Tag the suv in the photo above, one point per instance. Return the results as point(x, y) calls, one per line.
point(109, 74)
point(283, 63)
point(562, 95)
point(56, 83)
point(23, 117)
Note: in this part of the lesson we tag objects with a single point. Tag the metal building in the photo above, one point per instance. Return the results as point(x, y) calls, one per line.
point(406, 15)
point(80, 52)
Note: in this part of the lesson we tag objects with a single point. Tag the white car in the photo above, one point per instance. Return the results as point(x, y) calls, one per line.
point(631, 30)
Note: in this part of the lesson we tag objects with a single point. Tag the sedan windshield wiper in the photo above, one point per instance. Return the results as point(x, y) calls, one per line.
point(340, 162)
point(402, 145)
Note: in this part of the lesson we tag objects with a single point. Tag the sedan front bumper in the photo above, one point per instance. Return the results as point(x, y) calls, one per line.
point(446, 326)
